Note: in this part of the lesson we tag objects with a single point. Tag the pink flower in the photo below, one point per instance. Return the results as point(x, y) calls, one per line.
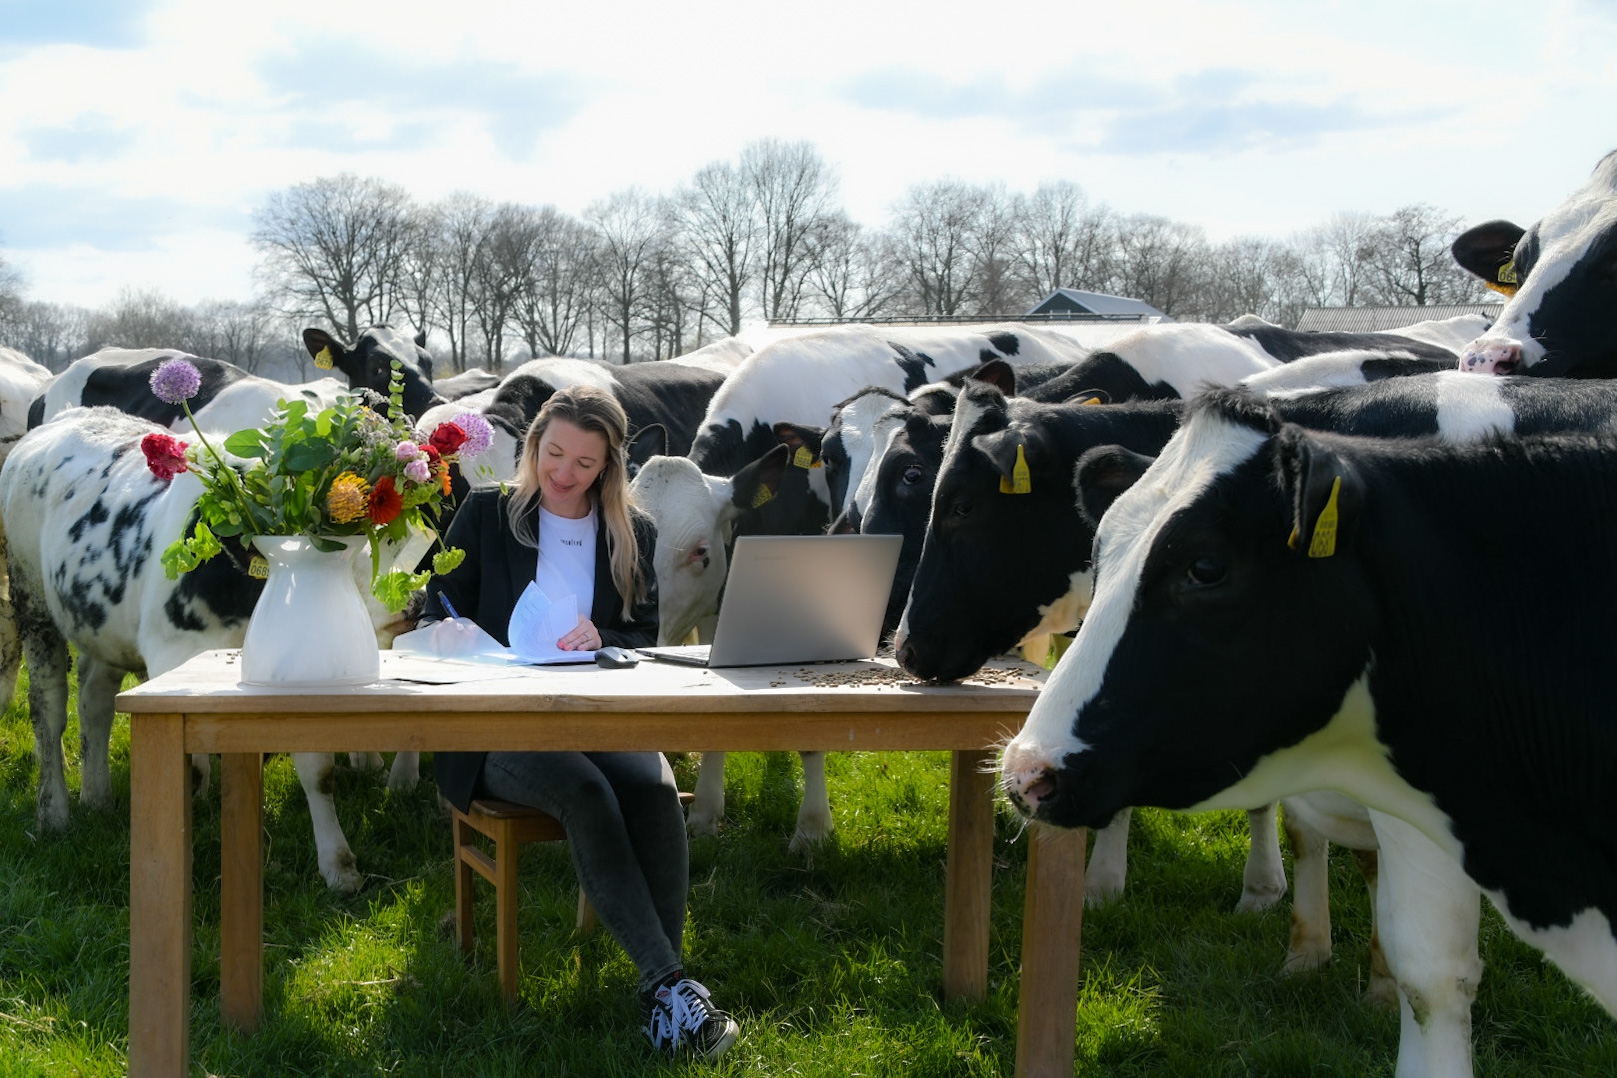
point(165, 455)
point(418, 470)
point(406, 451)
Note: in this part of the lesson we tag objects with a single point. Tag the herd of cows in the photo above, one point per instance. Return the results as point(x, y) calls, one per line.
point(1357, 575)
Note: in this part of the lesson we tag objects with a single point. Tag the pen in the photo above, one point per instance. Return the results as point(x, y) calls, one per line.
point(449, 606)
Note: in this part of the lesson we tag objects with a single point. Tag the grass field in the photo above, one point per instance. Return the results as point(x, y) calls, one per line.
point(832, 964)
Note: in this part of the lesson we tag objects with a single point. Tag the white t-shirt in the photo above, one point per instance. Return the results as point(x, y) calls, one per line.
point(568, 547)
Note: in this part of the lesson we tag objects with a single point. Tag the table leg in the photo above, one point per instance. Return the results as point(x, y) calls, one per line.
point(968, 876)
point(159, 897)
point(241, 890)
point(1052, 922)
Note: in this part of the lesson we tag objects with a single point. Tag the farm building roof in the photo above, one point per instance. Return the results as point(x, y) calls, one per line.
point(1376, 319)
point(1073, 301)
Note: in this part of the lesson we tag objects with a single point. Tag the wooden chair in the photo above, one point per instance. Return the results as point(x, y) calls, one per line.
point(509, 827)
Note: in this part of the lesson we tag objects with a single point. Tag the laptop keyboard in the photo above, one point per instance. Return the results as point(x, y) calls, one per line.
point(692, 651)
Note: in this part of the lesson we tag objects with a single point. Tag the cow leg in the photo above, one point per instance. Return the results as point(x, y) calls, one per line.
point(365, 761)
point(317, 773)
point(47, 705)
point(406, 771)
point(98, 684)
point(10, 640)
point(1264, 882)
point(708, 808)
point(1428, 913)
point(1108, 862)
point(1381, 990)
point(814, 815)
point(1310, 944)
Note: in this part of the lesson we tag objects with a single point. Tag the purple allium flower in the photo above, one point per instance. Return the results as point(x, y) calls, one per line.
point(479, 435)
point(407, 451)
point(176, 380)
point(418, 470)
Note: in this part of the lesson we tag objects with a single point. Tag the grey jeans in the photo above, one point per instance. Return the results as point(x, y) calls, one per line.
point(626, 832)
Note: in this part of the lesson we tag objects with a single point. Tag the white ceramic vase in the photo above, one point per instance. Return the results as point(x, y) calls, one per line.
point(310, 628)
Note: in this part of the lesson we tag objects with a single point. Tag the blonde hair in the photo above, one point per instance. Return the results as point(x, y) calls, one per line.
point(588, 408)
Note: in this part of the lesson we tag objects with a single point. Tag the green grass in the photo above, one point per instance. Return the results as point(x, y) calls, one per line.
point(832, 964)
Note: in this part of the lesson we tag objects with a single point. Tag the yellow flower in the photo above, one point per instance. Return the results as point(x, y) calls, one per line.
point(346, 501)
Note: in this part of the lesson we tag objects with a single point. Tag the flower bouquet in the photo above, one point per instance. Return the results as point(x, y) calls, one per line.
point(348, 470)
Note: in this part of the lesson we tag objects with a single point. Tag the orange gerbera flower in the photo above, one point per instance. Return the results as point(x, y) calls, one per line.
point(386, 502)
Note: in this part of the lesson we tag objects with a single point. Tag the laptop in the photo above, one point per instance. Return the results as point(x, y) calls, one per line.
point(798, 599)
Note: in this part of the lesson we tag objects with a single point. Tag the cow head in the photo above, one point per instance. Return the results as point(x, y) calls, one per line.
point(1230, 618)
point(847, 445)
point(696, 517)
point(1561, 277)
point(899, 498)
point(368, 363)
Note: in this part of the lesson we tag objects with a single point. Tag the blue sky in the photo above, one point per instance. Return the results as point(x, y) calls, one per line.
point(138, 138)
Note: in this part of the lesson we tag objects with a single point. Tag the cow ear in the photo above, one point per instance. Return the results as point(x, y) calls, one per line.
point(997, 373)
point(328, 351)
point(1011, 452)
point(1326, 495)
point(756, 485)
point(421, 339)
point(1488, 251)
point(803, 440)
point(1103, 473)
point(649, 441)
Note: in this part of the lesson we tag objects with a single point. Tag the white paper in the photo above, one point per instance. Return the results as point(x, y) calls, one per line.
point(538, 621)
point(461, 640)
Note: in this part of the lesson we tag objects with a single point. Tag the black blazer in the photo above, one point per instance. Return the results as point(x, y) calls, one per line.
point(486, 586)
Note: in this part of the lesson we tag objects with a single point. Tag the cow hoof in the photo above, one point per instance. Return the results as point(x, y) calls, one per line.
point(1099, 890)
point(343, 877)
point(701, 824)
point(1256, 899)
point(807, 841)
point(51, 817)
point(1381, 993)
point(1305, 960)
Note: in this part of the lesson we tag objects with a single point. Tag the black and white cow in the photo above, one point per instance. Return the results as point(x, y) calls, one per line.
point(1316, 600)
point(368, 362)
point(671, 395)
point(229, 399)
point(87, 523)
point(1561, 277)
point(467, 382)
point(21, 380)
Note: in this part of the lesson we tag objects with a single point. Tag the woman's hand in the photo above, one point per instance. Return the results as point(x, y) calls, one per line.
point(584, 637)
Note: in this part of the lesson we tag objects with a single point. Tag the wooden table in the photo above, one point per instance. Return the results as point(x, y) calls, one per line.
point(869, 706)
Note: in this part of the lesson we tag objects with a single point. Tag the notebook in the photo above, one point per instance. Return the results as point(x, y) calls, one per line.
point(798, 599)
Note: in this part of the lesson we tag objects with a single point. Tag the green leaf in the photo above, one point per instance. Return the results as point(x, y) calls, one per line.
point(393, 589)
point(247, 443)
point(307, 457)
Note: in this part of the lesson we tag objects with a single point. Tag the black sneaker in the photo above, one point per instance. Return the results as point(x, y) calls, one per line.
point(657, 1020)
point(697, 1025)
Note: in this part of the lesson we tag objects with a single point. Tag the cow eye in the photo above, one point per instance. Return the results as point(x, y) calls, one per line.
point(912, 475)
point(1206, 571)
point(961, 509)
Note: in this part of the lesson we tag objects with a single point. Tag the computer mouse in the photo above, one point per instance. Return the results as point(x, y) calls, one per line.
point(616, 658)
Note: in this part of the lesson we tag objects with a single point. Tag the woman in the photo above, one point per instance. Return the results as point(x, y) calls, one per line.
point(569, 523)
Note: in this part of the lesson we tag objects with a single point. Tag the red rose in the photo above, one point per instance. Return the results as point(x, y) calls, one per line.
point(385, 502)
point(165, 455)
point(447, 438)
point(432, 454)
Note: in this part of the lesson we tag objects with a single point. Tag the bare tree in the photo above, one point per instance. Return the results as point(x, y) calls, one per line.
point(235, 332)
point(1158, 261)
point(49, 333)
point(420, 267)
point(463, 222)
point(855, 272)
point(554, 297)
point(1242, 276)
point(936, 224)
point(141, 318)
point(631, 227)
point(718, 221)
point(992, 241)
point(504, 265)
point(332, 248)
point(1062, 241)
point(793, 190)
point(1410, 263)
point(12, 318)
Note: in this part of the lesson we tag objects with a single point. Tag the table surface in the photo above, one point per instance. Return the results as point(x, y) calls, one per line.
point(202, 707)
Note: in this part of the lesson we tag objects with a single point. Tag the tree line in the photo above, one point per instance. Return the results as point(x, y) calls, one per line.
point(646, 276)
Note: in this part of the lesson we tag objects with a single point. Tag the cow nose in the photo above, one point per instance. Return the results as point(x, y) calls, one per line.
point(1492, 357)
point(844, 525)
point(904, 653)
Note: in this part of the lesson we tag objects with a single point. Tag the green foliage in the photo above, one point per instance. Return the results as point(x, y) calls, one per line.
point(327, 474)
point(832, 962)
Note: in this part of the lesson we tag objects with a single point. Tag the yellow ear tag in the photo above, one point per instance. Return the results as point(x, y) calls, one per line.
point(1507, 273)
point(804, 457)
point(762, 496)
point(1502, 289)
point(1020, 482)
point(322, 359)
point(1323, 545)
point(258, 568)
point(1091, 400)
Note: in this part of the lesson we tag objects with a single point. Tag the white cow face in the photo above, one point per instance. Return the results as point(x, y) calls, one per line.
point(694, 515)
